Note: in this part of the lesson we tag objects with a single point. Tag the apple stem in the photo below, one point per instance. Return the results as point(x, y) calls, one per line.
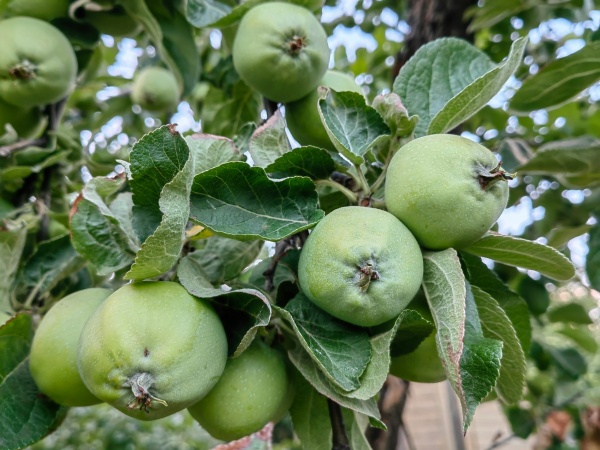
point(140, 384)
point(487, 178)
point(23, 71)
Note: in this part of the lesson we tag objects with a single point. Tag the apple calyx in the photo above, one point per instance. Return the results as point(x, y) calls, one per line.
point(366, 273)
point(296, 44)
point(140, 384)
point(487, 178)
point(23, 71)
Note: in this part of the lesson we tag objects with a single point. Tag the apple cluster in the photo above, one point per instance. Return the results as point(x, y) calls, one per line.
point(151, 349)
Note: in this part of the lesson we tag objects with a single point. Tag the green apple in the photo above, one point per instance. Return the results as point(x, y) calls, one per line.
point(422, 365)
point(446, 189)
point(248, 395)
point(152, 349)
point(280, 49)
point(361, 265)
point(53, 359)
point(37, 63)
point(155, 89)
point(302, 116)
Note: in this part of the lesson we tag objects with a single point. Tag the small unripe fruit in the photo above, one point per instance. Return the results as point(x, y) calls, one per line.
point(152, 349)
point(249, 394)
point(361, 265)
point(37, 63)
point(281, 50)
point(302, 116)
point(53, 359)
point(155, 89)
point(448, 190)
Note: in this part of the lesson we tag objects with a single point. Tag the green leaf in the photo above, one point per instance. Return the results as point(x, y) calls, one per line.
point(269, 141)
point(223, 259)
point(494, 11)
point(211, 151)
point(559, 80)
point(26, 415)
point(570, 157)
point(477, 94)
point(202, 13)
point(448, 80)
point(242, 311)
point(394, 114)
point(96, 233)
point(52, 262)
point(308, 161)
point(569, 361)
point(582, 336)
point(592, 261)
point(569, 313)
point(155, 160)
point(241, 202)
point(471, 361)
point(356, 424)
point(523, 253)
point(161, 250)
point(374, 376)
point(12, 243)
point(309, 370)
point(513, 305)
point(410, 333)
point(173, 37)
point(435, 74)
point(560, 236)
point(226, 113)
point(496, 325)
point(479, 364)
point(342, 351)
point(352, 125)
point(444, 287)
point(310, 415)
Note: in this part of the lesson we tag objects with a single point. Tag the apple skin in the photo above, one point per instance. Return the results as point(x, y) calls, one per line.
point(422, 365)
point(361, 265)
point(250, 393)
point(37, 63)
point(280, 49)
point(53, 359)
point(302, 116)
point(155, 89)
point(154, 339)
point(433, 186)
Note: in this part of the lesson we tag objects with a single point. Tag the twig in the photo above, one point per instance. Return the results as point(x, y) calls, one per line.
point(502, 442)
point(293, 242)
point(340, 438)
point(270, 107)
point(6, 150)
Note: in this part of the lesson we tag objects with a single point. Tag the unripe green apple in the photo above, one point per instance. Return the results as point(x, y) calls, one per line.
point(27, 122)
point(302, 116)
point(152, 349)
point(40, 9)
point(248, 395)
point(361, 265)
point(280, 49)
point(53, 359)
point(37, 63)
point(446, 189)
point(422, 365)
point(155, 89)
